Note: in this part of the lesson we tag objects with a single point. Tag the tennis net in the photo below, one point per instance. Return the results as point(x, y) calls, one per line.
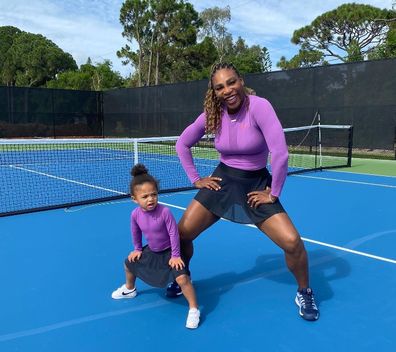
point(42, 174)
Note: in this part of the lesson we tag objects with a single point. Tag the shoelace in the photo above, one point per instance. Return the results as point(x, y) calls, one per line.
point(307, 300)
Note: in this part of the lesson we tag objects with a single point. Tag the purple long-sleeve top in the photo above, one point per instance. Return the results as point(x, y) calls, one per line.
point(244, 141)
point(159, 228)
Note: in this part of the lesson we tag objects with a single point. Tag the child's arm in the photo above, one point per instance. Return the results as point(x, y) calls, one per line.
point(136, 239)
point(176, 263)
point(173, 233)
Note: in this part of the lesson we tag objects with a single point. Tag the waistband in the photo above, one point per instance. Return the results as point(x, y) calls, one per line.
point(234, 172)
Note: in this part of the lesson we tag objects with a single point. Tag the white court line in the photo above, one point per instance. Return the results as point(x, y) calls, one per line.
point(65, 179)
point(73, 322)
point(359, 173)
point(345, 181)
point(368, 255)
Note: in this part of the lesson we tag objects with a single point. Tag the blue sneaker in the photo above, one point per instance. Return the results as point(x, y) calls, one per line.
point(173, 290)
point(306, 301)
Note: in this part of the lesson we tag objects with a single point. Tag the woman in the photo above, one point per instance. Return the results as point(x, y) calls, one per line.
point(241, 189)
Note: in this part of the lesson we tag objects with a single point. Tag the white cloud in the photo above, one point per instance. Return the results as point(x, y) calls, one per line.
point(82, 28)
point(271, 23)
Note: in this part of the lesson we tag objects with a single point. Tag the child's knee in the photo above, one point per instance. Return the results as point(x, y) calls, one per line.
point(183, 280)
point(126, 268)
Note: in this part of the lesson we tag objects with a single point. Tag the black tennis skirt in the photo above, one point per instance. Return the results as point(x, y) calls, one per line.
point(230, 202)
point(153, 267)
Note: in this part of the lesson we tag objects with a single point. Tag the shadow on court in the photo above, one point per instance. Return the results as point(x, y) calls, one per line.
point(325, 267)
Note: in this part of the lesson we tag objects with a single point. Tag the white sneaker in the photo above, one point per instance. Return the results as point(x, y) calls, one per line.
point(193, 318)
point(123, 292)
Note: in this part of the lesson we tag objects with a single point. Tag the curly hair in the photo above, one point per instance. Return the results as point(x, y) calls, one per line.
point(140, 175)
point(212, 105)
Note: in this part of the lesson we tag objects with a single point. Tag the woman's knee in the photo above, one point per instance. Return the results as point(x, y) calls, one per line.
point(194, 221)
point(292, 243)
point(184, 231)
point(187, 230)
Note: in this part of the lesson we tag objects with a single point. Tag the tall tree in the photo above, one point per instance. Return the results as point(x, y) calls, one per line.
point(181, 37)
point(214, 22)
point(134, 16)
point(7, 36)
point(254, 59)
point(89, 77)
point(200, 59)
point(169, 28)
point(347, 33)
point(31, 59)
point(304, 58)
point(388, 48)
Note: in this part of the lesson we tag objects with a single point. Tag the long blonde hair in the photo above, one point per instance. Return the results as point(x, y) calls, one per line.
point(212, 105)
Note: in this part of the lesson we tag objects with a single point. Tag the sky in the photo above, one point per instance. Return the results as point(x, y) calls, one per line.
point(91, 28)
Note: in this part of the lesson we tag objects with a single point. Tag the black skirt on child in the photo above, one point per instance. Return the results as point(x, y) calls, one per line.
point(153, 267)
point(230, 202)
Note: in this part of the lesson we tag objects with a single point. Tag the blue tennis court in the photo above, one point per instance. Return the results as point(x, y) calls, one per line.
point(59, 268)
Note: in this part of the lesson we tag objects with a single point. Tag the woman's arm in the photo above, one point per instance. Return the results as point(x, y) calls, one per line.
point(190, 136)
point(271, 128)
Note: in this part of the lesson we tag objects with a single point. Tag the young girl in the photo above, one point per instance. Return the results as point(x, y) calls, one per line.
point(158, 261)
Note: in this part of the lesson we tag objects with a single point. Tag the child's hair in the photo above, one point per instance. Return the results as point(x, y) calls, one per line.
point(212, 105)
point(140, 175)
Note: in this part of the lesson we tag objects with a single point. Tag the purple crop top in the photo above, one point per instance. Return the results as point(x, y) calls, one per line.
point(244, 141)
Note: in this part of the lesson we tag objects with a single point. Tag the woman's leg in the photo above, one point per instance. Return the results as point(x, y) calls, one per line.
point(194, 221)
point(280, 229)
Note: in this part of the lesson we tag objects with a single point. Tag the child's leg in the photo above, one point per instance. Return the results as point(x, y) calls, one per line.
point(188, 290)
point(129, 278)
point(127, 290)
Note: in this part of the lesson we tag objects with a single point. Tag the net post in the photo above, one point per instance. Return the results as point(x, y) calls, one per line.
point(350, 140)
point(135, 151)
point(99, 112)
point(394, 143)
point(320, 142)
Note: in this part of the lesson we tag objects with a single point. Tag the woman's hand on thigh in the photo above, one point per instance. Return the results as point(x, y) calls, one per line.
point(257, 198)
point(210, 182)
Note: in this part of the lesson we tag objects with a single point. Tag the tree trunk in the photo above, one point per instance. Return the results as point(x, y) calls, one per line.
point(140, 59)
point(150, 57)
point(157, 69)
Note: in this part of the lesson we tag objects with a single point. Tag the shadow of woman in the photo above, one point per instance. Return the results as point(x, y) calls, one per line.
point(325, 267)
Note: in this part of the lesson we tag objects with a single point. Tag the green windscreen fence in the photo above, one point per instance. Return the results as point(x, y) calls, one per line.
point(361, 94)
